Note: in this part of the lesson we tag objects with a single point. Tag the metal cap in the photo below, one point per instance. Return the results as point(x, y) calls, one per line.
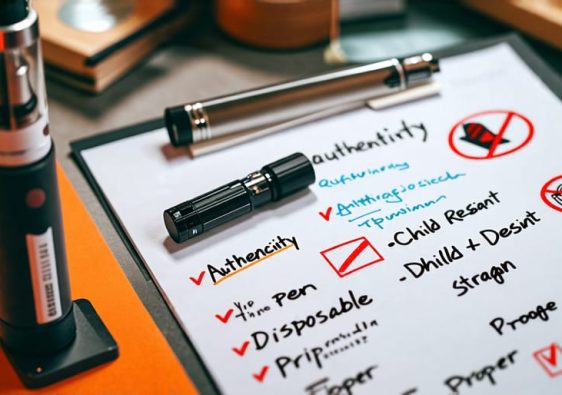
point(419, 68)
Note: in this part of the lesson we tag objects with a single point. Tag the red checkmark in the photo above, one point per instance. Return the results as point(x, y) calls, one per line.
point(358, 250)
point(551, 359)
point(224, 318)
point(261, 375)
point(242, 350)
point(548, 358)
point(350, 256)
point(326, 215)
point(197, 281)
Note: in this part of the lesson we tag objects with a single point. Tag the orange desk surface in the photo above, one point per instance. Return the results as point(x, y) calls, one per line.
point(146, 364)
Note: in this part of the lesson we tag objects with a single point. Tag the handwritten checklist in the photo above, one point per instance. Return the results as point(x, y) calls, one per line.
point(424, 260)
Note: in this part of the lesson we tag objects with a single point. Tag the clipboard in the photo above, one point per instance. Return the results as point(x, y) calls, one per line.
point(548, 76)
point(541, 69)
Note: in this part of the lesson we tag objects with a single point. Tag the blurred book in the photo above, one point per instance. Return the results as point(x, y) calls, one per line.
point(539, 18)
point(90, 44)
point(362, 9)
point(425, 25)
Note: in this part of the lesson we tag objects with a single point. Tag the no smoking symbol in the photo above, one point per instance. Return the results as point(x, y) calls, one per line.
point(490, 134)
point(551, 193)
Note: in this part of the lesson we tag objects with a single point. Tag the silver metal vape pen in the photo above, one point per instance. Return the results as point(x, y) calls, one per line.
point(35, 302)
point(270, 105)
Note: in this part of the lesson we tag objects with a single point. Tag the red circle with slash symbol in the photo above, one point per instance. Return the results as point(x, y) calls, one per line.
point(490, 134)
point(551, 193)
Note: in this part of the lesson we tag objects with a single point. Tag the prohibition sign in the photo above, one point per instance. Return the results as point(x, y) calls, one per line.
point(551, 193)
point(490, 134)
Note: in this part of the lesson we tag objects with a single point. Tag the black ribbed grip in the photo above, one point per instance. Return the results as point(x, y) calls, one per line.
point(205, 212)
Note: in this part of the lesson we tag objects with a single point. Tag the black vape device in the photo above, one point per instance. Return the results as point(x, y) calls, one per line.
point(46, 336)
point(275, 181)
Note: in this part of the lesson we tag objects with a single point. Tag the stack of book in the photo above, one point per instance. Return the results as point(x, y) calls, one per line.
point(539, 18)
point(92, 51)
point(351, 10)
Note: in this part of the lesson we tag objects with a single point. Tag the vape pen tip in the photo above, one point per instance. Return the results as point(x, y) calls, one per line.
point(13, 11)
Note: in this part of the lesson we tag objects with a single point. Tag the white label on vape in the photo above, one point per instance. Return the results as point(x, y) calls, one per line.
point(43, 265)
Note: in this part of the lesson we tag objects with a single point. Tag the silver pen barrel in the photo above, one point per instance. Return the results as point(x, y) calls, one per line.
point(24, 137)
point(217, 117)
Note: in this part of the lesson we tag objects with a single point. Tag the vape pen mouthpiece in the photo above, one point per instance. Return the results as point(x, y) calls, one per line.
point(13, 11)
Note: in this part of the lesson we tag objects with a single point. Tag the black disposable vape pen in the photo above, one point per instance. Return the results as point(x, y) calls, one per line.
point(275, 181)
point(35, 301)
point(46, 336)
